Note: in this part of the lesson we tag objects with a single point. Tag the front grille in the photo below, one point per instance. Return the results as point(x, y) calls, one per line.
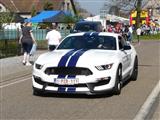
point(68, 71)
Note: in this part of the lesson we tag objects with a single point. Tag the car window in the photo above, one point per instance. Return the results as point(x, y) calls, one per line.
point(85, 27)
point(88, 26)
point(89, 42)
point(70, 43)
point(107, 42)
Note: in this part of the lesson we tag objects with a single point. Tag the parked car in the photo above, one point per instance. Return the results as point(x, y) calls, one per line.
point(85, 26)
point(88, 63)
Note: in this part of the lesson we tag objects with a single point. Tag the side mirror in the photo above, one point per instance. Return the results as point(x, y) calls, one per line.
point(127, 47)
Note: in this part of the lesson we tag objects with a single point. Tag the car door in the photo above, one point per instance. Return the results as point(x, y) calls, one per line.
point(125, 55)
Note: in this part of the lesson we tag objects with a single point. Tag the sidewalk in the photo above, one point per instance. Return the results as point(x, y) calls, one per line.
point(156, 115)
point(12, 67)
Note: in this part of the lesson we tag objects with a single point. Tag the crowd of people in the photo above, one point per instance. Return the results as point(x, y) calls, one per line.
point(148, 30)
point(127, 30)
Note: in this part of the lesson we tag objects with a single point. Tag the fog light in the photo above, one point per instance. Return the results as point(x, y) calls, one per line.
point(104, 78)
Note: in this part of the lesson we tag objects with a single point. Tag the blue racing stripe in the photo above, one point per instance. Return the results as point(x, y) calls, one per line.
point(64, 58)
point(71, 89)
point(61, 89)
point(63, 61)
point(95, 34)
point(74, 59)
point(87, 34)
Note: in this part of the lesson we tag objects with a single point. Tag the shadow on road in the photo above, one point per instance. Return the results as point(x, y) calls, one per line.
point(78, 96)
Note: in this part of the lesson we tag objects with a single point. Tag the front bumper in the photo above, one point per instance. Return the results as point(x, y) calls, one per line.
point(98, 87)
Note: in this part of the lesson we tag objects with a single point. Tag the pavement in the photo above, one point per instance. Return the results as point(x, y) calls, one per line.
point(15, 68)
point(156, 115)
point(13, 63)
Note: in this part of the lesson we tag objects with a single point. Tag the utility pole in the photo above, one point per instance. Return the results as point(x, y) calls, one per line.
point(138, 9)
point(74, 8)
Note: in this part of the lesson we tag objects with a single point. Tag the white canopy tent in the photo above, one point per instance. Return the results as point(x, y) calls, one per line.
point(111, 18)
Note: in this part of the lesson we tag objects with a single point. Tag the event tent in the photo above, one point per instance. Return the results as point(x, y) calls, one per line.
point(48, 16)
point(109, 17)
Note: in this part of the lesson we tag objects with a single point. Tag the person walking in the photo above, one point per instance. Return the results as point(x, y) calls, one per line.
point(26, 40)
point(53, 37)
point(138, 31)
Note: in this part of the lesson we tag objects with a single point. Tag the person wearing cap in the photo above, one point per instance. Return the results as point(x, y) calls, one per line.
point(53, 37)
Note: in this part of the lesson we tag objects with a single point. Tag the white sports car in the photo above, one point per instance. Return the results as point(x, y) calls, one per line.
point(88, 63)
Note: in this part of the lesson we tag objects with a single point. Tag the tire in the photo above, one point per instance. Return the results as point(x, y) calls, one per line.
point(118, 83)
point(134, 74)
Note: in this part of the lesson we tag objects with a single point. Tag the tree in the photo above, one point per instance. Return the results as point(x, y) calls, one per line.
point(33, 11)
point(48, 5)
point(5, 17)
point(74, 8)
point(69, 19)
point(138, 9)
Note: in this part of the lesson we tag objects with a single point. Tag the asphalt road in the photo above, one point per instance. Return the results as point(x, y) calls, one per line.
point(18, 103)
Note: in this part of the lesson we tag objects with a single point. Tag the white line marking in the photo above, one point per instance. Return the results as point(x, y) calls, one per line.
point(145, 109)
point(2, 86)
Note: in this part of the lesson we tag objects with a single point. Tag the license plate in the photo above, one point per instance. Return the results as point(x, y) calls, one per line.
point(66, 81)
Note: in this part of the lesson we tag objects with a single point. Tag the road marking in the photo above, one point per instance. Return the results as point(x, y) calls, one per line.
point(6, 85)
point(145, 109)
point(15, 78)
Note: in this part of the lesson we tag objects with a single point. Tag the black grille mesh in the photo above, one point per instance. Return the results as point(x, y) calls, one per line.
point(68, 71)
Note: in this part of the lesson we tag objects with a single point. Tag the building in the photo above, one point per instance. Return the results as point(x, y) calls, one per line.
point(24, 7)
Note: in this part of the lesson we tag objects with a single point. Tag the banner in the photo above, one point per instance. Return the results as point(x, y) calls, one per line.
point(144, 14)
point(134, 14)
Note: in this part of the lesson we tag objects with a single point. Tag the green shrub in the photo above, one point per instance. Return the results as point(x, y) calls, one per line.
point(148, 37)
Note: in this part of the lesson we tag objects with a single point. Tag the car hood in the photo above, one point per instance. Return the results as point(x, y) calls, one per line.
point(78, 58)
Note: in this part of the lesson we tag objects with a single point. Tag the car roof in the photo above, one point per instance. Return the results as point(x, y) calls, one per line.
point(89, 22)
point(98, 33)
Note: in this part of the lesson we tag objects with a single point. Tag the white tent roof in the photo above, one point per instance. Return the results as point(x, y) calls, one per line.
point(109, 17)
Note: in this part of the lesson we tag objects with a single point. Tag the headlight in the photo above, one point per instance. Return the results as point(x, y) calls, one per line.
point(38, 66)
point(104, 67)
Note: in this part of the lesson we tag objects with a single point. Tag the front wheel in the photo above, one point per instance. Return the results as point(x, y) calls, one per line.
point(134, 74)
point(118, 82)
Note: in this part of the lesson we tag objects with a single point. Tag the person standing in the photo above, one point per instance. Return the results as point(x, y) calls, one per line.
point(110, 28)
point(26, 40)
point(130, 33)
point(53, 37)
point(138, 31)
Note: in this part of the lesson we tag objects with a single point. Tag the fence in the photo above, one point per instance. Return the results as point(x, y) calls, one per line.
point(9, 45)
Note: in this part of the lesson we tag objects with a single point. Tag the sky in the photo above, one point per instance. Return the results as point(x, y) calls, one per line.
point(92, 6)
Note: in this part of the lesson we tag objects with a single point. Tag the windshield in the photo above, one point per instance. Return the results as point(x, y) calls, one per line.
point(86, 27)
point(88, 42)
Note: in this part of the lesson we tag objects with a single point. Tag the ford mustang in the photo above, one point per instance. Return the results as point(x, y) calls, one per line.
point(86, 63)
